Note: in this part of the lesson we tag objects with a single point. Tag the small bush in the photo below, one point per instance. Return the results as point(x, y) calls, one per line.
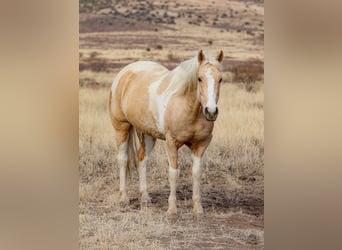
point(248, 32)
point(170, 57)
point(94, 54)
point(248, 73)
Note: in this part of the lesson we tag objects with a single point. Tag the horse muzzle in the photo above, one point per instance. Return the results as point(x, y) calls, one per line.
point(210, 115)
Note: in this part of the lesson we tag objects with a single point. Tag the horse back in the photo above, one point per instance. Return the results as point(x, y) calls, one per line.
point(129, 100)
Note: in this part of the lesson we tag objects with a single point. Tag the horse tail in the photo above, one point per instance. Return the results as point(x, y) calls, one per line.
point(134, 142)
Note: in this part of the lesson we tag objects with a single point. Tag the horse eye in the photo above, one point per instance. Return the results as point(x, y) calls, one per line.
point(220, 80)
point(199, 79)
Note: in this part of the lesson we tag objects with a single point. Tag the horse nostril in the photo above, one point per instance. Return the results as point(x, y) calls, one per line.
point(206, 110)
point(216, 111)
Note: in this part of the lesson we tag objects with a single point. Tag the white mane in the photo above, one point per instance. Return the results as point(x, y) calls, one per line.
point(185, 75)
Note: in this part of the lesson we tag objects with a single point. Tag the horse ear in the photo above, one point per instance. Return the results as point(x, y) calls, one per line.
point(220, 57)
point(200, 57)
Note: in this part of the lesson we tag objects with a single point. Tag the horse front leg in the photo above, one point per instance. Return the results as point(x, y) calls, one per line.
point(197, 156)
point(196, 184)
point(172, 153)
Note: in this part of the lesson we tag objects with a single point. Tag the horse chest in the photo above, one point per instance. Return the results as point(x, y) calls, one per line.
point(192, 131)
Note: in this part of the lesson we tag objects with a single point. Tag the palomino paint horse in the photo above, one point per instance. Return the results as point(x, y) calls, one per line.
point(148, 102)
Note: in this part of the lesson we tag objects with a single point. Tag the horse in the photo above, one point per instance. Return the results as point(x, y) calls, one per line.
point(147, 102)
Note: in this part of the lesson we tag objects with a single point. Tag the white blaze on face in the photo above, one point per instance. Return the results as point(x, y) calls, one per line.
point(211, 102)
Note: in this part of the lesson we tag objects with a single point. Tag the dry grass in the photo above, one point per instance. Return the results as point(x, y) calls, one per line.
point(232, 183)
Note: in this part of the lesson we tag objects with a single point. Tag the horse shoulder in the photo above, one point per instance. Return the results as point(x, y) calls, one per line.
point(186, 128)
point(202, 129)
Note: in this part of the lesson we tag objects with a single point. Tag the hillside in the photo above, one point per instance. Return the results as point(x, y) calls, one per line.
point(114, 33)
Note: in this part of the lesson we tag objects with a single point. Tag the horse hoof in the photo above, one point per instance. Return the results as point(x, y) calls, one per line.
point(171, 211)
point(124, 201)
point(145, 199)
point(198, 210)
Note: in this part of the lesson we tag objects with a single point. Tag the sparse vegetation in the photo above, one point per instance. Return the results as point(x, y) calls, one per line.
point(94, 54)
point(232, 182)
point(248, 73)
point(114, 33)
point(170, 57)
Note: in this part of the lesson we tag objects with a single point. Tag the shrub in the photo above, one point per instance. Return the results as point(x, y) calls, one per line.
point(248, 73)
point(170, 57)
point(94, 54)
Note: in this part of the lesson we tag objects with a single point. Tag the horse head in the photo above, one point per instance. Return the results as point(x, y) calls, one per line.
point(209, 81)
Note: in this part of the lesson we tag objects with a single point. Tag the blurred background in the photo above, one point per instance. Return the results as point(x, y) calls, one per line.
point(115, 33)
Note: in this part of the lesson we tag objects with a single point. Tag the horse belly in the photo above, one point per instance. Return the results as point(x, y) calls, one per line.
point(135, 105)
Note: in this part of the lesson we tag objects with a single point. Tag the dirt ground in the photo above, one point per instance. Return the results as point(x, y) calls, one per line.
point(233, 218)
point(115, 33)
point(233, 208)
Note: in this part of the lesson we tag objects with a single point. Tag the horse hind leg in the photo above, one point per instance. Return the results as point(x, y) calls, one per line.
point(146, 146)
point(122, 135)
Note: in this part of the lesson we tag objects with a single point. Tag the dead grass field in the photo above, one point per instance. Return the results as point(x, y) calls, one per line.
point(232, 183)
point(114, 33)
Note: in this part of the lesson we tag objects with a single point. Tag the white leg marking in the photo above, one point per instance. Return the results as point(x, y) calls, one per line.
point(122, 162)
point(211, 104)
point(142, 175)
point(149, 143)
point(173, 174)
point(196, 178)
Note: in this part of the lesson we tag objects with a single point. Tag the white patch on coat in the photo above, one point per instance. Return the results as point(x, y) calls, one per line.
point(211, 103)
point(135, 67)
point(160, 102)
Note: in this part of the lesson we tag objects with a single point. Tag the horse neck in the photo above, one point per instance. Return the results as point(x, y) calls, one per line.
point(193, 104)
